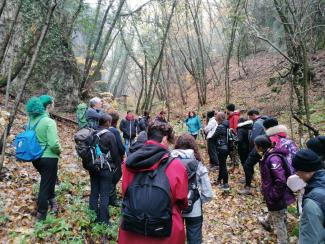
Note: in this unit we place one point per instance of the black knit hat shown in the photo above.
(317, 144)
(306, 160)
(270, 122)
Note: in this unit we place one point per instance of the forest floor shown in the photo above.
(228, 218)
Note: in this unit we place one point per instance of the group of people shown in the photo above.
(165, 182)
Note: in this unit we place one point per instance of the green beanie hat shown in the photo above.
(46, 100)
(34, 107)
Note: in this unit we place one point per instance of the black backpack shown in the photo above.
(88, 149)
(193, 195)
(147, 203)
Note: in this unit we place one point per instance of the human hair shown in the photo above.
(115, 118)
(34, 107)
(241, 120)
(189, 114)
(221, 116)
(252, 112)
(231, 107)
(210, 114)
(157, 131)
(186, 141)
(94, 101)
(104, 119)
(263, 142)
(146, 114)
(129, 111)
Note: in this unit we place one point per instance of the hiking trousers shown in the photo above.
(194, 229)
(223, 172)
(212, 151)
(252, 160)
(48, 169)
(100, 188)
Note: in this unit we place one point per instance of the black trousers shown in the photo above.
(194, 229)
(252, 160)
(243, 152)
(100, 188)
(115, 179)
(48, 169)
(223, 172)
(212, 151)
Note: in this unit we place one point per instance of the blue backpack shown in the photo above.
(27, 146)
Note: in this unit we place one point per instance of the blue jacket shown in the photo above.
(120, 146)
(193, 124)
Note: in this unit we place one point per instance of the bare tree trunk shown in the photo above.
(2, 6)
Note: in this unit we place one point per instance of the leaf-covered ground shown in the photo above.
(228, 218)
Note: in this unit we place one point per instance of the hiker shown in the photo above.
(161, 118)
(309, 168)
(274, 173)
(94, 112)
(143, 121)
(220, 136)
(200, 190)
(317, 144)
(212, 143)
(128, 126)
(243, 129)
(47, 164)
(233, 118)
(101, 176)
(193, 123)
(140, 141)
(253, 156)
(121, 150)
(152, 165)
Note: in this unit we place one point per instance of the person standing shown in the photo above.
(309, 168)
(143, 122)
(212, 143)
(94, 112)
(193, 123)
(222, 150)
(47, 164)
(128, 126)
(243, 129)
(233, 118)
(161, 118)
(150, 161)
(274, 174)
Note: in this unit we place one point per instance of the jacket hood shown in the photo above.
(183, 153)
(277, 150)
(318, 180)
(147, 158)
(246, 124)
(225, 123)
(277, 130)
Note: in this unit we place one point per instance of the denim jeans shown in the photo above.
(127, 143)
(48, 169)
(100, 188)
(194, 229)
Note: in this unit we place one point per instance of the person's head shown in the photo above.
(105, 120)
(115, 118)
(146, 114)
(270, 122)
(220, 117)
(191, 114)
(186, 141)
(162, 133)
(306, 162)
(210, 114)
(129, 113)
(241, 120)
(262, 144)
(34, 107)
(253, 114)
(317, 144)
(230, 107)
(162, 114)
(47, 101)
(95, 103)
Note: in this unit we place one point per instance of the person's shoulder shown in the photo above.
(311, 207)
(177, 164)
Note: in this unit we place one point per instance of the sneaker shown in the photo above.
(246, 191)
(54, 208)
(225, 187)
(40, 216)
(266, 225)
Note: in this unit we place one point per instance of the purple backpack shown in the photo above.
(291, 146)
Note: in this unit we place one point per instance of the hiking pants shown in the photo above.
(234, 156)
(194, 229)
(127, 143)
(100, 188)
(278, 219)
(115, 179)
(212, 151)
(223, 172)
(252, 160)
(48, 169)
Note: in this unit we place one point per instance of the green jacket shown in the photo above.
(47, 135)
(311, 224)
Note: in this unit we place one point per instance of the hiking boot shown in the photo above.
(54, 208)
(246, 191)
(266, 225)
(40, 216)
(225, 187)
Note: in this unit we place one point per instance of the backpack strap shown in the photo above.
(284, 163)
(36, 124)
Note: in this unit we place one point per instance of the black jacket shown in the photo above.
(243, 136)
(143, 123)
(220, 135)
(129, 128)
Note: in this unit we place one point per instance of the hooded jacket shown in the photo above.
(312, 220)
(203, 182)
(211, 127)
(93, 116)
(193, 124)
(148, 158)
(274, 174)
(128, 126)
(233, 120)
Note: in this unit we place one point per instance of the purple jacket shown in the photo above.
(274, 174)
